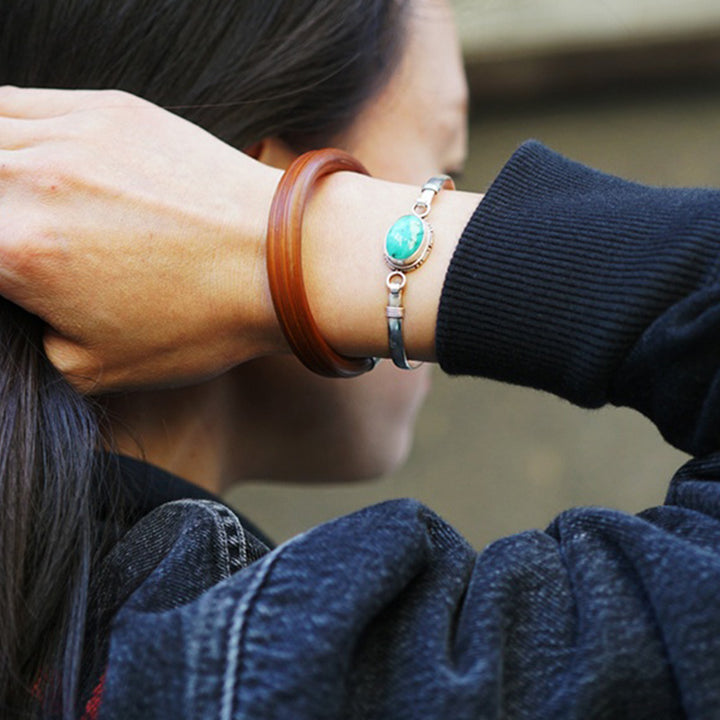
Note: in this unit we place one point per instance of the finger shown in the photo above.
(75, 363)
(29, 103)
(19, 134)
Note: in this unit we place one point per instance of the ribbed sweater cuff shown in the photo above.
(561, 269)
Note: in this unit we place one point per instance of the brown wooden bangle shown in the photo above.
(284, 263)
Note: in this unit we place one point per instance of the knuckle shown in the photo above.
(49, 173)
(32, 239)
(19, 169)
(53, 180)
(36, 172)
(31, 250)
(10, 169)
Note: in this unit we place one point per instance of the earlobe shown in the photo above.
(274, 152)
(254, 150)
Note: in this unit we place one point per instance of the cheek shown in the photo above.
(395, 152)
(410, 388)
(411, 168)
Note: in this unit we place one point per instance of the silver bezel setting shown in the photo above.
(418, 257)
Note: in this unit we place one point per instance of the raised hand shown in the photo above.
(137, 236)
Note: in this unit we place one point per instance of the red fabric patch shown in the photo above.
(92, 707)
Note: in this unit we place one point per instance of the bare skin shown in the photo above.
(142, 292)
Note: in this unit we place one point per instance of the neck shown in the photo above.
(182, 430)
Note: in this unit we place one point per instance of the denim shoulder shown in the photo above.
(390, 613)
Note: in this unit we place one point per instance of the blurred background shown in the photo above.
(631, 87)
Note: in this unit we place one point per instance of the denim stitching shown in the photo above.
(234, 556)
(236, 637)
(234, 538)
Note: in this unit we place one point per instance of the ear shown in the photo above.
(274, 152)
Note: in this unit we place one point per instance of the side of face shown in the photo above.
(417, 125)
(414, 128)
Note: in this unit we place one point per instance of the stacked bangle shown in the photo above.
(284, 264)
(407, 245)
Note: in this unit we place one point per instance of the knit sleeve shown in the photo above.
(593, 288)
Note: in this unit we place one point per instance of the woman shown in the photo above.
(279, 78)
(564, 278)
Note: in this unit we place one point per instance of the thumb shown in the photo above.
(75, 363)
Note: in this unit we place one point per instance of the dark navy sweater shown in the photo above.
(565, 279)
(594, 288)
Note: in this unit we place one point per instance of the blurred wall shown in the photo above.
(529, 48)
(526, 26)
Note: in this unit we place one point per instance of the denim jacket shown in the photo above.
(389, 613)
(565, 279)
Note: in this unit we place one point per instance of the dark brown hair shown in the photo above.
(243, 69)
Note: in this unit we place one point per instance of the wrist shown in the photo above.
(248, 303)
(343, 265)
(345, 226)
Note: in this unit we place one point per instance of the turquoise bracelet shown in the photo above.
(407, 246)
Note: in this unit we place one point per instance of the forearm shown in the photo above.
(345, 273)
(595, 289)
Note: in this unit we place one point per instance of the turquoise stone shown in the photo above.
(404, 238)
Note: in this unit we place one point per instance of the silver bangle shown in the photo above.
(408, 243)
